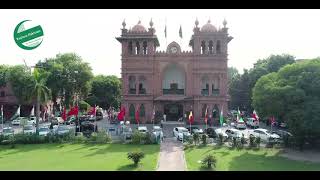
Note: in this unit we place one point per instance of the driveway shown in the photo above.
(171, 156)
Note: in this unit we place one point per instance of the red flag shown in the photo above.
(121, 114)
(73, 111)
(137, 116)
(190, 117)
(206, 116)
(64, 114)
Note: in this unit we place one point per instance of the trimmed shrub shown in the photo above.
(209, 161)
(234, 142)
(136, 156)
(102, 138)
(220, 139)
(204, 139)
(196, 138)
(252, 141)
(137, 137)
(148, 139)
(258, 141)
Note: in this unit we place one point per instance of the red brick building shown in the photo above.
(174, 81)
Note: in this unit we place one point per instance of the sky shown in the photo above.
(91, 33)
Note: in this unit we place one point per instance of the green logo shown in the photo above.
(27, 36)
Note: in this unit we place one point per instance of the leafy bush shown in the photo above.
(204, 139)
(29, 139)
(243, 140)
(102, 137)
(79, 139)
(196, 138)
(209, 161)
(148, 139)
(234, 142)
(136, 156)
(220, 139)
(258, 141)
(252, 141)
(137, 137)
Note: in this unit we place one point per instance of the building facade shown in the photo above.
(174, 82)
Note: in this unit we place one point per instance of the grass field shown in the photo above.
(246, 160)
(108, 157)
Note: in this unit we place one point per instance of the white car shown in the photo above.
(7, 131)
(62, 129)
(253, 123)
(180, 132)
(18, 120)
(265, 135)
(29, 129)
(235, 133)
(157, 131)
(240, 125)
(222, 132)
(44, 131)
(142, 129)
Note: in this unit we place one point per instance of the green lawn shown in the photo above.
(76, 157)
(246, 160)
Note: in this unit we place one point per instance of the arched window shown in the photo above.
(142, 85)
(132, 84)
(145, 48)
(131, 111)
(205, 86)
(173, 80)
(137, 48)
(218, 49)
(130, 48)
(204, 107)
(210, 47)
(142, 111)
(203, 47)
(216, 86)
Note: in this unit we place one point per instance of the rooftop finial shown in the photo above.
(139, 22)
(124, 23)
(209, 21)
(197, 22)
(224, 23)
(151, 23)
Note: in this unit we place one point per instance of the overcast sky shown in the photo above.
(91, 33)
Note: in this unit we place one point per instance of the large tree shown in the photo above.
(68, 74)
(240, 88)
(105, 92)
(292, 95)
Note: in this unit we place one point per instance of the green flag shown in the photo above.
(221, 117)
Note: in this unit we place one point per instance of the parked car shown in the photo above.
(29, 129)
(195, 129)
(240, 125)
(142, 129)
(235, 133)
(32, 120)
(282, 133)
(180, 132)
(18, 120)
(265, 135)
(87, 128)
(7, 131)
(44, 131)
(92, 118)
(222, 132)
(252, 122)
(157, 131)
(99, 115)
(62, 129)
(210, 132)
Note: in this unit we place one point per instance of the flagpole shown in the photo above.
(2, 116)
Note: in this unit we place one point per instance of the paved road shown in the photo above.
(171, 156)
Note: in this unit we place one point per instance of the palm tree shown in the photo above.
(41, 92)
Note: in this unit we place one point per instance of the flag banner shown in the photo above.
(137, 116)
(255, 115)
(221, 117)
(191, 117)
(64, 114)
(32, 111)
(121, 114)
(206, 116)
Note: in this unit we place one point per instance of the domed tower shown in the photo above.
(138, 41)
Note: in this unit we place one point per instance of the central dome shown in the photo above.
(208, 27)
(139, 28)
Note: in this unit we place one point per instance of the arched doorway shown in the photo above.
(173, 111)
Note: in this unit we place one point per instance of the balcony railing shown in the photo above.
(132, 91)
(142, 91)
(205, 92)
(173, 91)
(215, 92)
